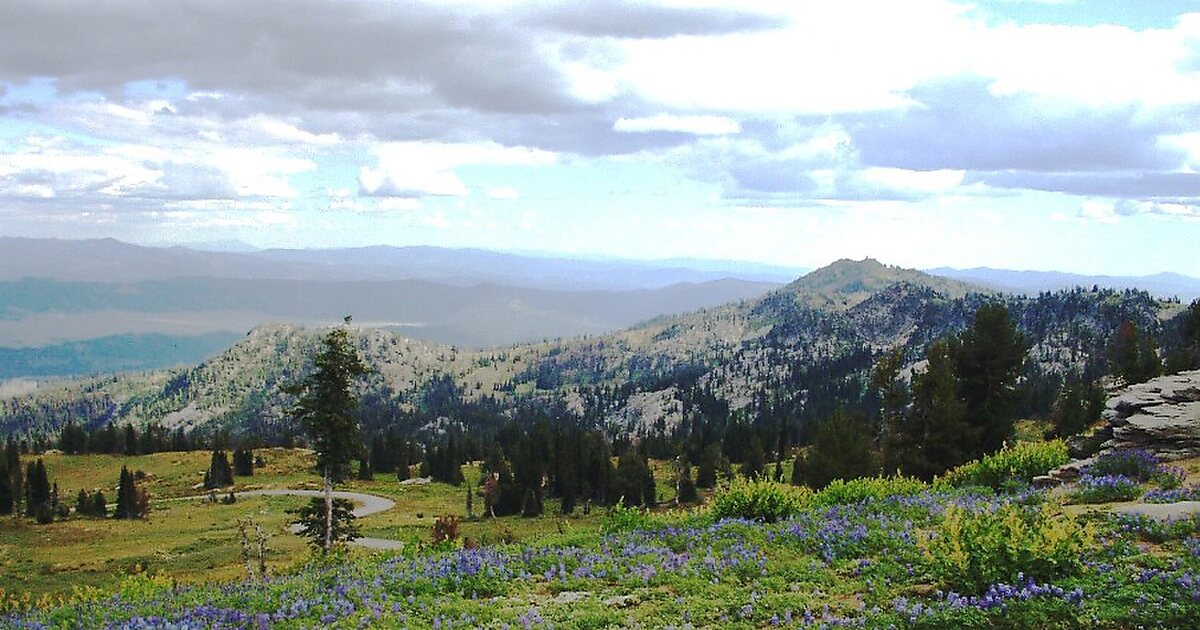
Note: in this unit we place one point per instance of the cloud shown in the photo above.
(1114, 185)
(362, 55)
(504, 193)
(1190, 209)
(417, 169)
(961, 124)
(695, 125)
(638, 20)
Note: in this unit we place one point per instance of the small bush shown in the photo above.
(1129, 462)
(1014, 465)
(1169, 477)
(1105, 489)
(866, 489)
(758, 499)
(620, 518)
(445, 529)
(971, 550)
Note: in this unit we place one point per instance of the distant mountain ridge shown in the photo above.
(799, 351)
(110, 260)
(1164, 284)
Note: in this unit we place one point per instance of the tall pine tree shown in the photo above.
(988, 358)
(934, 435)
(325, 408)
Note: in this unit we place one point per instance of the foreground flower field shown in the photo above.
(874, 554)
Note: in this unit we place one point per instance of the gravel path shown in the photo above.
(1161, 511)
(365, 505)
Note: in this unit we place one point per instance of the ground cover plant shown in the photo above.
(860, 555)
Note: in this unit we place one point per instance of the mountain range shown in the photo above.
(96, 306)
(800, 349)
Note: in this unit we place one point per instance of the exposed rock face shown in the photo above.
(1161, 416)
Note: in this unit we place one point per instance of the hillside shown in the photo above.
(807, 347)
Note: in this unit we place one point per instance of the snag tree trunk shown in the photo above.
(328, 512)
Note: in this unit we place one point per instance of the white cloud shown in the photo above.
(1126, 207)
(695, 125)
(916, 181)
(504, 193)
(287, 132)
(417, 169)
(1099, 212)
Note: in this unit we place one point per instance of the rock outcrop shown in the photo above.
(1161, 416)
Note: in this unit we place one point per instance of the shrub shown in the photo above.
(971, 550)
(1019, 463)
(1130, 462)
(445, 529)
(841, 492)
(1105, 489)
(758, 499)
(1169, 477)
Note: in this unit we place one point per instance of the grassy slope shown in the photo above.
(196, 541)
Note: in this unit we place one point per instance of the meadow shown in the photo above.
(972, 550)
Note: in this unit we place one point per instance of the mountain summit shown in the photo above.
(845, 283)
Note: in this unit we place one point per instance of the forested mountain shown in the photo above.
(773, 362)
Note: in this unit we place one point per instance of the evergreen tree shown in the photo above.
(319, 525)
(364, 470)
(324, 407)
(841, 449)
(99, 505)
(934, 436)
(988, 358)
(712, 461)
(531, 505)
(685, 486)
(6, 493)
(243, 462)
(220, 473)
(38, 494)
(633, 482)
(885, 380)
(1188, 358)
(755, 463)
(125, 495)
(12, 458)
(1132, 355)
(130, 442)
(83, 503)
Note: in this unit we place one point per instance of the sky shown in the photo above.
(1015, 134)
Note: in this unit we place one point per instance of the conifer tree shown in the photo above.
(220, 473)
(324, 407)
(988, 358)
(685, 486)
(712, 461)
(38, 494)
(99, 505)
(1132, 355)
(125, 495)
(934, 436)
(841, 449)
(756, 460)
(6, 493)
(12, 458)
(83, 503)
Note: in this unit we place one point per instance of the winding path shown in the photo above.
(365, 505)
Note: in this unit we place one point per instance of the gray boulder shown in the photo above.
(1161, 416)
